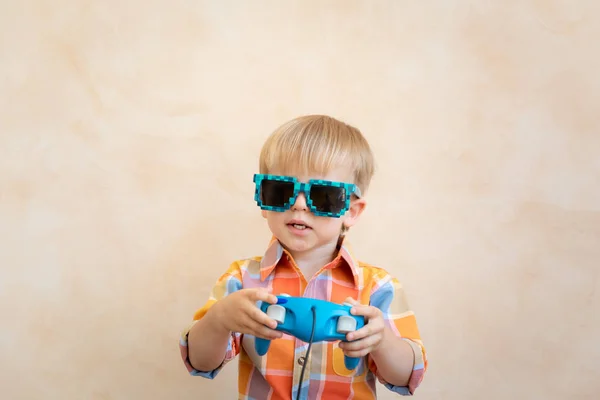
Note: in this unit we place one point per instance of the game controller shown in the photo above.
(304, 317)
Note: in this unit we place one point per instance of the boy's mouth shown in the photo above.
(301, 225)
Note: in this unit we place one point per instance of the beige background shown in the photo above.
(130, 131)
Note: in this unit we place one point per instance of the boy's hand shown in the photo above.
(369, 337)
(238, 312)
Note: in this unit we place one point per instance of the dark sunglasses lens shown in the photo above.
(328, 198)
(276, 193)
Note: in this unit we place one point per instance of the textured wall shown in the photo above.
(130, 130)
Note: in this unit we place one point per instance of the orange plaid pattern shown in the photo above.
(276, 375)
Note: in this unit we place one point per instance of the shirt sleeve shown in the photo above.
(389, 296)
(229, 282)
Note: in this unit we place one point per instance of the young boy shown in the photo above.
(309, 256)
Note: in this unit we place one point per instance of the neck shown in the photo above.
(310, 262)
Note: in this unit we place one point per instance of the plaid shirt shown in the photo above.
(276, 374)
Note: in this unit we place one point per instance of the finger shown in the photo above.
(366, 331)
(358, 353)
(251, 327)
(365, 311)
(351, 301)
(262, 294)
(358, 345)
(355, 351)
(373, 327)
(363, 332)
(262, 331)
(359, 309)
(257, 315)
(360, 348)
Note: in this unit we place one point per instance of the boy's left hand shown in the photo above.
(369, 337)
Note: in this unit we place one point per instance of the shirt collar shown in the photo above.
(275, 251)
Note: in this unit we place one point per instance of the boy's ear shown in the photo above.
(263, 213)
(354, 212)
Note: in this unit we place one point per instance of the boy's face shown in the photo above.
(300, 230)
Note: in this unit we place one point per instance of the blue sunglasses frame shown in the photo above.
(349, 188)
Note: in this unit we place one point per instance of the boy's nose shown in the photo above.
(300, 203)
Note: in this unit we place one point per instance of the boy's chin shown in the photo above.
(302, 244)
(296, 244)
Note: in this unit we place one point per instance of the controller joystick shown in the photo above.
(346, 324)
(276, 312)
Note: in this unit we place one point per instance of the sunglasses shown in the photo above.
(324, 198)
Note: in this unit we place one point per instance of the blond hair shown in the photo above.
(316, 144)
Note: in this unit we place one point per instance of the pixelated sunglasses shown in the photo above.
(324, 198)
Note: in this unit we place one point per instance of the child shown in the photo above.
(309, 256)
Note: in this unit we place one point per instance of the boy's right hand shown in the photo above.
(238, 312)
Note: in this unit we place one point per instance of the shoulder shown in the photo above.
(238, 268)
(246, 264)
(375, 277)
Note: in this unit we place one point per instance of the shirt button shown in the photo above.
(301, 360)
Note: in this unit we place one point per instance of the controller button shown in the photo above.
(277, 313)
(346, 324)
(285, 295)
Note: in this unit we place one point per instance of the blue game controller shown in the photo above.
(294, 316)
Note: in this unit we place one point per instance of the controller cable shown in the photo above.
(310, 342)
